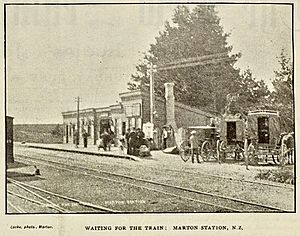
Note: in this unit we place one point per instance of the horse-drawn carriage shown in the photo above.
(261, 128)
(207, 139)
(266, 141)
(232, 136)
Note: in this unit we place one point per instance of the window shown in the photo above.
(132, 122)
(89, 130)
(139, 123)
(123, 128)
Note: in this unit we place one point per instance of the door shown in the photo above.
(123, 128)
(67, 134)
(104, 125)
(231, 132)
(263, 130)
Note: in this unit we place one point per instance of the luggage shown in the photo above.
(144, 151)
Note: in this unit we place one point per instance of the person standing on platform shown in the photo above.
(100, 143)
(140, 138)
(164, 137)
(85, 138)
(111, 135)
(127, 136)
(75, 138)
(105, 137)
(194, 146)
(133, 141)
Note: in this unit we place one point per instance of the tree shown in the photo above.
(57, 131)
(282, 96)
(192, 33)
(141, 77)
(250, 94)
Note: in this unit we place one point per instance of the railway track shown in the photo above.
(233, 179)
(14, 207)
(59, 203)
(243, 181)
(219, 203)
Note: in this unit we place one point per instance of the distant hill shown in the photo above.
(38, 133)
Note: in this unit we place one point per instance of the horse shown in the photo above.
(288, 144)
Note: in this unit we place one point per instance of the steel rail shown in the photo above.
(18, 209)
(86, 204)
(203, 174)
(170, 186)
(234, 179)
(138, 186)
(58, 208)
(32, 200)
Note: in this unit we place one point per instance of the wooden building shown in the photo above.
(134, 111)
(9, 139)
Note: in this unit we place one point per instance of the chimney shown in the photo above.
(170, 105)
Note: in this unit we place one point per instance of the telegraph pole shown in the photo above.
(78, 122)
(151, 94)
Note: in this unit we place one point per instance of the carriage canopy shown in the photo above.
(204, 132)
(232, 128)
(264, 126)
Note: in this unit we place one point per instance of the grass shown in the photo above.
(37, 133)
(281, 174)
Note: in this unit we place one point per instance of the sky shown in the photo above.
(56, 53)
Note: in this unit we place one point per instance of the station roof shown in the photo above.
(263, 112)
(202, 127)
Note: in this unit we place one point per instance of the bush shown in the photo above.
(281, 175)
(38, 133)
(57, 131)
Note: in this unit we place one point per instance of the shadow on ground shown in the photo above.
(22, 177)
(21, 172)
(16, 165)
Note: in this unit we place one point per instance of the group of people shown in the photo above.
(135, 138)
(105, 140)
(84, 137)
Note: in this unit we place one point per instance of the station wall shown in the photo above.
(134, 111)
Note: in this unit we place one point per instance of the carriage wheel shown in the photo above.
(252, 155)
(283, 156)
(206, 151)
(276, 159)
(222, 151)
(185, 151)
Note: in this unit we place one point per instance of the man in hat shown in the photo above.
(194, 146)
(165, 136)
(140, 137)
(127, 137)
(85, 138)
(75, 138)
(133, 141)
(105, 137)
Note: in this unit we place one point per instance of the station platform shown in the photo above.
(90, 150)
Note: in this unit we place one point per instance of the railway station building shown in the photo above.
(9, 139)
(134, 111)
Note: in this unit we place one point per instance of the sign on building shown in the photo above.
(133, 110)
(148, 130)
